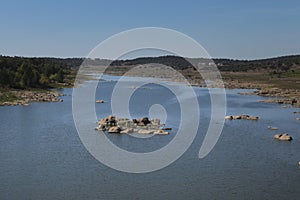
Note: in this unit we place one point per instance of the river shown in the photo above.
(42, 156)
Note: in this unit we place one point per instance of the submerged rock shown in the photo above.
(272, 128)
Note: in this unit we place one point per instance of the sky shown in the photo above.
(225, 28)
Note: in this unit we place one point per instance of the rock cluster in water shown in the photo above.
(112, 124)
(247, 117)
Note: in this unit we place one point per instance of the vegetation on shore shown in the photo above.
(41, 74)
(38, 75)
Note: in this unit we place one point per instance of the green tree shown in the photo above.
(44, 80)
(60, 76)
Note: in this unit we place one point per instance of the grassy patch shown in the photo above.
(6, 96)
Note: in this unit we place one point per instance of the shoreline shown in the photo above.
(286, 96)
(14, 97)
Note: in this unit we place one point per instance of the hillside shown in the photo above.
(22, 72)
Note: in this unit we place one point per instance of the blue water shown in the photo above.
(42, 157)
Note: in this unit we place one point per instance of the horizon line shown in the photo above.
(225, 58)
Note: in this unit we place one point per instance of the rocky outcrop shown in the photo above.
(283, 137)
(229, 117)
(291, 101)
(114, 129)
(25, 97)
(100, 101)
(245, 117)
(283, 96)
(143, 125)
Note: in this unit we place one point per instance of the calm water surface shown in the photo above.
(42, 157)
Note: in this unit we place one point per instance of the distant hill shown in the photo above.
(279, 63)
(42, 72)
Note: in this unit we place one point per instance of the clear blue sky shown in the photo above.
(232, 29)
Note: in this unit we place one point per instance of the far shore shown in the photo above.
(13, 97)
(280, 91)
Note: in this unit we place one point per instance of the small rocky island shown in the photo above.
(246, 117)
(112, 124)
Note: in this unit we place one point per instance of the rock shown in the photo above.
(143, 131)
(298, 119)
(272, 128)
(277, 136)
(166, 129)
(296, 112)
(111, 120)
(114, 129)
(99, 101)
(253, 118)
(126, 131)
(140, 124)
(102, 121)
(229, 117)
(161, 132)
(236, 117)
(299, 163)
(124, 125)
(245, 116)
(283, 137)
(102, 127)
(155, 122)
(142, 121)
(145, 120)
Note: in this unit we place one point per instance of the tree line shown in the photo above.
(283, 63)
(22, 73)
